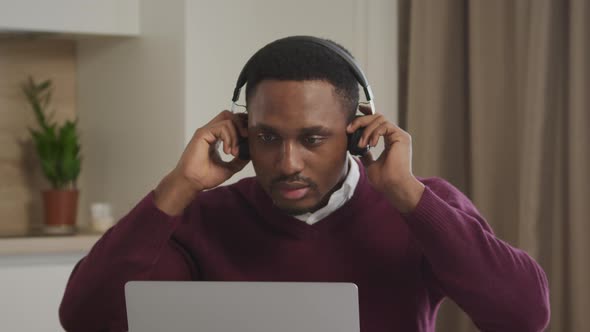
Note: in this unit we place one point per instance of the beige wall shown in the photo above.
(21, 179)
(131, 100)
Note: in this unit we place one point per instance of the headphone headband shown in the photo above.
(352, 64)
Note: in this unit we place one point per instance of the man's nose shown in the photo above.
(291, 161)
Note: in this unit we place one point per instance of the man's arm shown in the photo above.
(500, 287)
(138, 247)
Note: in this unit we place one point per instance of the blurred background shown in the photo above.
(494, 94)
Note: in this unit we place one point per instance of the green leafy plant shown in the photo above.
(58, 147)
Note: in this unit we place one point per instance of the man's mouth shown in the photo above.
(292, 191)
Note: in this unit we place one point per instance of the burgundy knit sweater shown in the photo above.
(403, 265)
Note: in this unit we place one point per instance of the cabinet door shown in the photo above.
(105, 17)
(31, 288)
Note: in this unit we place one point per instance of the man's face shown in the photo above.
(297, 135)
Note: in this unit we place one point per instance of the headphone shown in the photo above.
(354, 138)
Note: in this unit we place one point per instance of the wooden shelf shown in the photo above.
(48, 244)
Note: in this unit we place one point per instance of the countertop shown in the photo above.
(48, 244)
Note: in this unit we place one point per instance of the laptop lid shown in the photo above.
(206, 306)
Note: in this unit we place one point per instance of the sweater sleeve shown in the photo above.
(139, 247)
(500, 287)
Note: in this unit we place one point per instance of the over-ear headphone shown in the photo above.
(354, 138)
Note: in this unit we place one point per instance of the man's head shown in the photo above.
(300, 98)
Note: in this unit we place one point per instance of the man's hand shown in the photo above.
(200, 167)
(391, 173)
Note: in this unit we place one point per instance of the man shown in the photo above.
(312, 213)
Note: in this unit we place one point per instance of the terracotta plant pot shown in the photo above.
(60, 208)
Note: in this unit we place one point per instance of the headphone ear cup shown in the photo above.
(243, 149)
(354, 139)
(353, 143)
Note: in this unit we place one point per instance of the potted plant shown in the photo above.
(58, 149)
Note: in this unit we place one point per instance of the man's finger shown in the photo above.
(225, 114)
(370, 130)
(363, 121)
(384, 129)
(365, 109)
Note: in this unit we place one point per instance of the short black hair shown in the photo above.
(292, 59)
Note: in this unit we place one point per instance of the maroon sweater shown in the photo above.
(404, 265)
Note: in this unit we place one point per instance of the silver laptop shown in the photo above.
(241, 306)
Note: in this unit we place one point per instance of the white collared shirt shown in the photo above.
(338, 198)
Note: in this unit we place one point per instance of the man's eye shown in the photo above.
(313, 140)
(267, 138)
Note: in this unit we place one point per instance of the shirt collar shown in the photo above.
(339, 197)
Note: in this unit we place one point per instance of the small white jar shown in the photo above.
(102, 218)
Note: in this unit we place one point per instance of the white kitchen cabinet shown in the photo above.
(33, 275)
(31, 288)
(86, 17)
